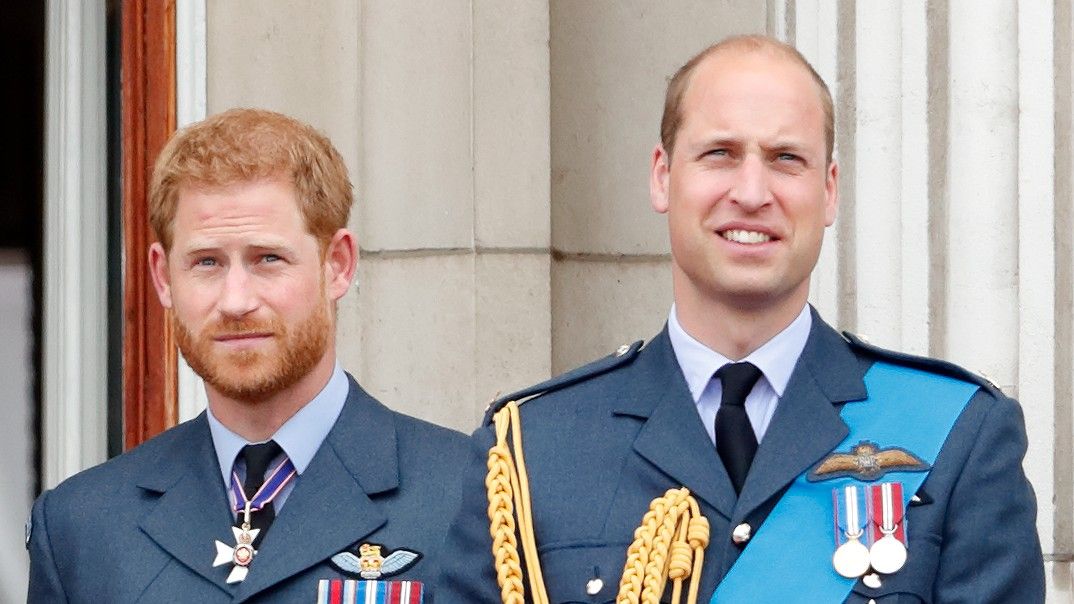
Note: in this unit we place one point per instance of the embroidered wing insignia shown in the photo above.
(370, 563)
(398, 561)
(347, 562)
(866, 461)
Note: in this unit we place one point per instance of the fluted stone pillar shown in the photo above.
(954, 241)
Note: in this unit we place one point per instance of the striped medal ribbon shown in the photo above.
(851, 558)
(888, 551)
(280, 477)
(354, 591)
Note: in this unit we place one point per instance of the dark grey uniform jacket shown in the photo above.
(604, 440)
(142, 527)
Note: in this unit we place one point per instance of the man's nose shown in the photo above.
(750, 188)
(238, 297)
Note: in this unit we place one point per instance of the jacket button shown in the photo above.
(594, 586)
(742, 533)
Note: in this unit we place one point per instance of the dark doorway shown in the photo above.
(22, 43)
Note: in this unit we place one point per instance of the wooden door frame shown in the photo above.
(148, 118)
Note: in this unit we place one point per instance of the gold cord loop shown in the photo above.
(669, 544)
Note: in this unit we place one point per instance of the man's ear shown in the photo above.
(341, 262)
(158, 269)
(658, 180)
(831, 192)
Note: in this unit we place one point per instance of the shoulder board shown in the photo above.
(623, 356)
(918, 362)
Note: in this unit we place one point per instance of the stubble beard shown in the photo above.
(251, 376)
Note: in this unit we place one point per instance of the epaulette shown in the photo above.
(918, 362)
(624, 355)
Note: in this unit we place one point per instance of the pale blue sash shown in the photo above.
(790, 557)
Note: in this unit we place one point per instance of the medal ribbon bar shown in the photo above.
(886, 511)
(351, 591)
(850, 516)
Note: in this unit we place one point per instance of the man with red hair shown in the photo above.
(295, 484)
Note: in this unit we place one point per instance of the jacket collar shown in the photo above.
(329, 509)
(827, 374)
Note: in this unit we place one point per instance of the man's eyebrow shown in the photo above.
(203, 247)
(268, 245)
(785, 145)
(719, 140)
(195, 248)
(788, 146)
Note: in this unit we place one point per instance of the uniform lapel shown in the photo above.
(673, 438)
(330, 509)
(192, 510)
(806, 425)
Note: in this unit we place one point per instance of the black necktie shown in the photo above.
(257, 459)
(735, 441)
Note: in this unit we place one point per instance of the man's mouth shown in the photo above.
(744, 236)
(242, 337)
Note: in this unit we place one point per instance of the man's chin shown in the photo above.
(246, 391)
(247, 382)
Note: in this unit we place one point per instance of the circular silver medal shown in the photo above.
(888, 554)
(851, 559)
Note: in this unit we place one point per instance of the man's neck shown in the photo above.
(735, 330)
(257, 421)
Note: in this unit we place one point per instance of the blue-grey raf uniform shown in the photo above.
(142, 527)
(602, 441)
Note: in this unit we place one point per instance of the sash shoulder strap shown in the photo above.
(931, 365)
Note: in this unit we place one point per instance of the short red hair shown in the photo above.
(244, 145)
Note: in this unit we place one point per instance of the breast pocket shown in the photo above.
(587, 574)
(910, 585)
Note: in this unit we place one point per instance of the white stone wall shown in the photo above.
(499, 152)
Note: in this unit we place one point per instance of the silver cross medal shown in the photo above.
(243, 553)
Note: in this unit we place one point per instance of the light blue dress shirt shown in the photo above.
(776, 360)
(299, 437)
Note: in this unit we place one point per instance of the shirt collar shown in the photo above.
(776, 358)
(299, 437)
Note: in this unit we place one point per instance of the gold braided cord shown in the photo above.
(502, 518)
(669, 544)
(521, 483)
(507, 476)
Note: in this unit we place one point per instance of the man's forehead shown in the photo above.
(265, 213)
(778, 66)
(252, 198)
(778, 88)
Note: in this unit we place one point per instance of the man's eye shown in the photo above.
(270, 258)
(205, 262)
(788, 157)
(718, 152)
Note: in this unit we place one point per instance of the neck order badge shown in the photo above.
(912, 408)
(243, 552)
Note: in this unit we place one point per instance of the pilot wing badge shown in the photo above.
(868, 462)
(369, 566)
(371, 563)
